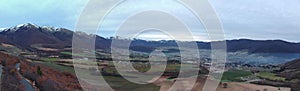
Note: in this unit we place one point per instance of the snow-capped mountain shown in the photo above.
(27, 35)
(16, 28)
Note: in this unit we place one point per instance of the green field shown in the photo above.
(122, 84)
(57, 67)
(270, 76)
(79, 55)
(235, 75)
(70, 53)
(50, 59)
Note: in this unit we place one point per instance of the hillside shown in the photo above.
(21, 75)
(291, 70)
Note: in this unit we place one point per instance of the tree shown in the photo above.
(3, 62)
(39, 71)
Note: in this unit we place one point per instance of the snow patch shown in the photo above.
(51, 29)
(31, 26)
(27, 25)
(2, 29)
(16, 28)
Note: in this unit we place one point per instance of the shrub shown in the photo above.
(12, 71)
(39, 71)
(225, 85)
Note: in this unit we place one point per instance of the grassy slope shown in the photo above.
(57, 67)
(270, 76)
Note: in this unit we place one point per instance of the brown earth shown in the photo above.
(232, 86)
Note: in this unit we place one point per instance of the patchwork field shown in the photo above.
(270, 76)
(235, 75)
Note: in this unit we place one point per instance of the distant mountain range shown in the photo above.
(27, 36)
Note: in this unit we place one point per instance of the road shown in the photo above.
(27, 84)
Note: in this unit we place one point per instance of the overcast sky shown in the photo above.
(254, 19)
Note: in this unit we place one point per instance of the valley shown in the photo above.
(46, 62)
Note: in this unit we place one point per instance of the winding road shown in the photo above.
(27, 84)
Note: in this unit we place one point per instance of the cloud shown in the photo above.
(255, 19)
(58, 13)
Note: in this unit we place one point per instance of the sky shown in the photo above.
(252, 19)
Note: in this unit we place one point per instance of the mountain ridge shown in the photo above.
(27, 35)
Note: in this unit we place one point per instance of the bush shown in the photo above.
(225, 85)
(39, 71)
(12, 71)
(3, 62)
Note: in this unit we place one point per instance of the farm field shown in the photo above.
(270, 76)
(235, 75)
